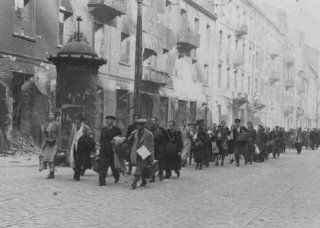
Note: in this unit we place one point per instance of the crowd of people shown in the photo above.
(151, 150)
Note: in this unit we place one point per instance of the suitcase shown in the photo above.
(152, 169)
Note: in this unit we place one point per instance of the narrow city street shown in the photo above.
(282, 192)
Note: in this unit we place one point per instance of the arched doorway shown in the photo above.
(146, 106)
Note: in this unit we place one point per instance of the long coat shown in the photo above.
(146, 139)
(201, 146)
(86, 131)
(171, 159)
(107, 134)
(51, 134)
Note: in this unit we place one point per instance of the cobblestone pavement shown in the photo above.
(282, 192)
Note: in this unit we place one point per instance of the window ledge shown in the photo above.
(24, 37)
(124, 64)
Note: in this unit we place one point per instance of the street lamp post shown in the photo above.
(138, 61)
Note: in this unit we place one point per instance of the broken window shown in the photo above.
(125, 48)
(65, 26)
(24, 18)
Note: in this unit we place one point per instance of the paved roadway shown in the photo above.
(282, 192)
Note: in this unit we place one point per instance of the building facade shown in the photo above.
(202, 59)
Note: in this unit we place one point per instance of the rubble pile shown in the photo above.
(21, 146)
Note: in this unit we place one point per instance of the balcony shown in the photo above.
(274, 53)
(238, 61)
(240, 99)
(155, 76)
(241, 30)
(290, 61)
(107, 9)
(301, 89)
(287, 109)
(258, 104)
(274, 77)
(289, 83)
(187, 39)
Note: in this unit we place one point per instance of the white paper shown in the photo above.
(143, 152)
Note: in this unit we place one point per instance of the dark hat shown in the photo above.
(141, 121)
(237, 121)
(111, 117)
(80, 116)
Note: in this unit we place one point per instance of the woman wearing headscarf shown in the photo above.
(50, 144)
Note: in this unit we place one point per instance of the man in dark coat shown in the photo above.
(221, 137)
(106, 151)
(160, 139)
(240, 142)
(201, 144)
(262, 139)
(313, 138)
(130, 129)
(171, 159)
(251, 142)
(276, 137)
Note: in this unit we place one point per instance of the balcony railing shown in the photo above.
(240, 99)
(287, 109)
(241, 30)
(290, 61)
(159, 77)
(187, 39)
(274, 77)
(289, 83)
(107, 9)
(238, 60)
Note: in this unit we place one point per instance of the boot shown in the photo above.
(50, 175)
(102, 180)
(178, 173)
(144, 182)
(134, 183)
(153, 179)
(222, 162)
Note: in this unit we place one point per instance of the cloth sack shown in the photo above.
(256, 150)
(151, 169)
(215, 149)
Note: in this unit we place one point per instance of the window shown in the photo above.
(98, 38)
(228, 78)
(24, 18)
(125, 48)
(219, 75)
(220, 39)
(206, 70)
(65, 26)
(193, 111)
(196, 25)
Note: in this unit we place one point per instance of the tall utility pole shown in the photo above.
(138, 61)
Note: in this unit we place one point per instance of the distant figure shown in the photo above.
(50, 144)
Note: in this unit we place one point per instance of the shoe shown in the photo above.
(134, 185)
(50, 175)
(178, 174)
(102, 183)
(82, 172)
(222, 163)
(143, 183)
(77, 178)
(116, 181)
(153, 179)
(166, 177)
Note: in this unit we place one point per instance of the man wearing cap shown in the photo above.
(240, 142)
(139, 138)
(172, 157)
(251, 142)
(201, 144)
(130, 129)
(79, 128)
(106, 151)
(262, 139)
(159, 134)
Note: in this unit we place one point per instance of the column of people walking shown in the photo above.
(148, 150)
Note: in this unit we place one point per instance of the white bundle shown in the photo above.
(118, 140)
